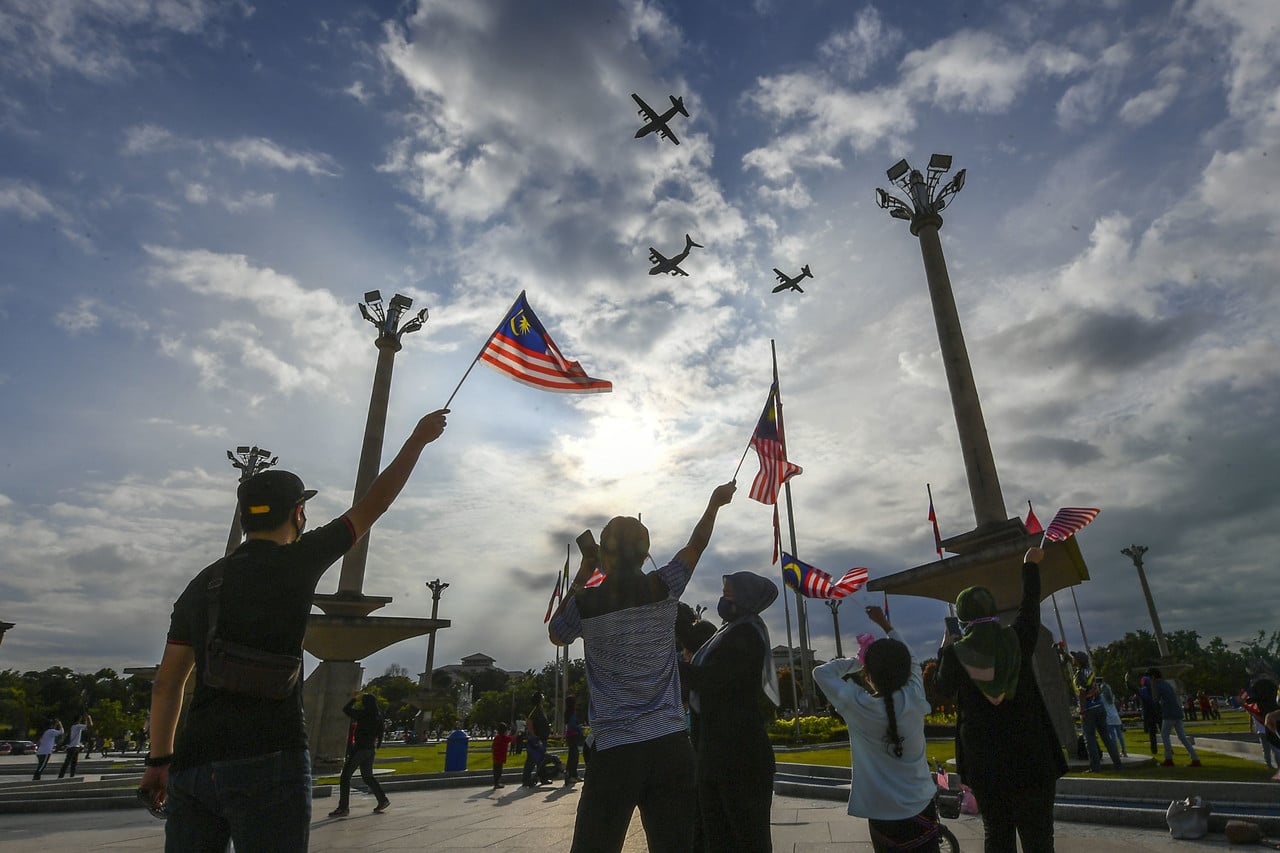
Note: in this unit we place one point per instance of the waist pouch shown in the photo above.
(239, 668)
(242, 669)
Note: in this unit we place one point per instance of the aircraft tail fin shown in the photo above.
(678, 103)
(689, 244)
(805, 271)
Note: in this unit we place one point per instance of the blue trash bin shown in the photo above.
(455, 751)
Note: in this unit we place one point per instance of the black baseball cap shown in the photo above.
(266, 498)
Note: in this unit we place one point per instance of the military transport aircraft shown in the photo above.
(653, 121)
(791, 282)
(671, 265)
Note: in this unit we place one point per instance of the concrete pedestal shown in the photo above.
(340, 641)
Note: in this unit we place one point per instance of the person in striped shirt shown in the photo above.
(642, 757)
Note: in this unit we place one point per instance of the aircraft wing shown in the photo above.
(666, 133)
(645, 109)
(780, 287)
(655, 257)
(677, 271)
(781, 277)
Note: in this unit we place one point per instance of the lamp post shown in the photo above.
(387, 322)
(437, 587)
(925, 203)
(250, 461)
(834, 604)
(1135, 552)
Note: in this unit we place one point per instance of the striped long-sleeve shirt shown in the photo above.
(632, 670)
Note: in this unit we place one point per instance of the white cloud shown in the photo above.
(79, 318)
(855, 51)
(976, 71)
(264, 152)
(1149, 105)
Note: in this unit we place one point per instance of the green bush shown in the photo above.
(812, 730)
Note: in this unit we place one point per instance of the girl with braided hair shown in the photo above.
(885, 706)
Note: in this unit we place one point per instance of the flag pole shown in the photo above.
(806, 657)
(791, 659)
(747, 449)
(1083, 635)
(481, 352)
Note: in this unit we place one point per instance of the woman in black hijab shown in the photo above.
(727, 678)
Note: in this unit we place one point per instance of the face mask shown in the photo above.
(726, 609)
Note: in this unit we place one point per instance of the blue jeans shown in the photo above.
(1168, 727)
(1094, 721)
(263, 804)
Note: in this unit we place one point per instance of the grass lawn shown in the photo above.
(1219, 767)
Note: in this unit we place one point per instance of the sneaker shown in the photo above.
(1276, 778)
(1168, 762)
(340, 811)
(1195, 763)
(381, 807)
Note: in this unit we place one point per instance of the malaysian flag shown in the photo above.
(597, 578)
(815, 583)
(772, 450)
(1068, 521)
(522, 349)
(1033, 524)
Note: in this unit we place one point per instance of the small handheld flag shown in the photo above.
(815, 583)
(772, 450)
(1068, 521)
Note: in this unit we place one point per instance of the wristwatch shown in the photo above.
(162, 761)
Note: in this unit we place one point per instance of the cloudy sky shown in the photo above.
(195, 194)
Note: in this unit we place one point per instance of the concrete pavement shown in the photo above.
(519, 820)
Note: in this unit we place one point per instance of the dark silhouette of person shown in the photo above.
(727, 678)
(365, 741)
(240, 768)
(1006, 747)
(641, 755)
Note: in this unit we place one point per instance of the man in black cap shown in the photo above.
(240, 768)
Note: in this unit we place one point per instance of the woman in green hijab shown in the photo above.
(1006, 747)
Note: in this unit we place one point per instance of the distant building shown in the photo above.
(471, 665)
(782, 657)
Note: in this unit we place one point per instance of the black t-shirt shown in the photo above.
(266, 597)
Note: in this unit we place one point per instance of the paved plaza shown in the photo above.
(521, 820)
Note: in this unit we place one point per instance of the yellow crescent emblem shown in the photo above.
(791, 574)
(519, 324)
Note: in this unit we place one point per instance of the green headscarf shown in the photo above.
(991, 654)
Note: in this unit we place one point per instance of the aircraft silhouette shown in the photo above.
(671, 265)
(790, 282)
(653, 121)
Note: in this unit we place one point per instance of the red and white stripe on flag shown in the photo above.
(818, 584)
(597, 578)
(1068, 521)
(774, 470)
(852, 581)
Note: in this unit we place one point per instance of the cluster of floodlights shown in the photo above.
(388, 321)
(919, 189)
(251, 460)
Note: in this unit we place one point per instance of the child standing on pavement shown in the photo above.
(885, 706)
(501, 743)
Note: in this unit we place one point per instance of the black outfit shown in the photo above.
(266, 598)
(536, 758)
(734, 763)
(360, 753)
(1008, 753)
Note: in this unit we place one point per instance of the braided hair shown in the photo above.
(888, 663)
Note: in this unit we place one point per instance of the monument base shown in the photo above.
(340, 641)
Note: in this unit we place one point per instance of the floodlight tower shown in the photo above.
(925, 203)
(834, 604)
(250, 461)
(1135, 552)
(437, 587)
(387, 322)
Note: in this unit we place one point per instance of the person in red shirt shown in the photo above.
(501, 743)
